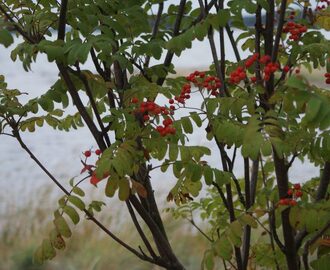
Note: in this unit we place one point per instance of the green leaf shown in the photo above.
(264, 4)
(223, 247)
(208, 260)
(62, 227)
(321, 263)
(211, 105)
(57, 240)
(76, 201)
(208, 175)
(38, 257)
(312, 109)
(221, 178)
(72, 213)
(220, 19)
(6, 38)
(266, 148)
(186, 124)
(48, 250)
(196, 172)
(194, 116)
(236, 228)
(124, 189)
(112, 186)
(248, 220)
(311, 220)
(295, 82)
(173, 151)
(78, 191)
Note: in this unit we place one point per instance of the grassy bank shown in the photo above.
(22, 230)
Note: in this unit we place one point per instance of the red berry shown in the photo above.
(290, 192)
(286, 69)
(171, 101)
(282, 202)
(87, 153)
(327, 81)
(299, 193)
(146, 117)
(253, 79)
(297, 71)
(98, 152)
(297, 186)
(134, 100)
(293, 202)
(157, 110)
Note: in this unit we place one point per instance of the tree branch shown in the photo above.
(88, 214)
(140, 231)
(162, 243)
(155, 29)
(176, 31)
(83, 78)
(279, 30)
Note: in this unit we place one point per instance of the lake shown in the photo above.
(21, 179)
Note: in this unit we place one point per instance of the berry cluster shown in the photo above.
(295, 29)
(150, 109)
(167, 128)
(90, 168)
(293, 194)
(237, 75)
(201, 80)
(327, 77)
(184, 95)
(250, 61)
(269, 69)
(88, 153)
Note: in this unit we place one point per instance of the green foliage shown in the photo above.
(270, 122)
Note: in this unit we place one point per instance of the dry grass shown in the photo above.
(22, 230)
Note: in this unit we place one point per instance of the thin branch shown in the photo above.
(97, 64)
(155, 29)
(140, 231)
(254, 179)
(192, 222)
(223, 91)
(279, 30)
(292, 160)
(84, 80)
(176, 31)
(17, 28)
(81, 108)
(222, 195)
(71, 87)
(247, 229)
(62, 20)
(324, 182)
(162, 243)
(272, 225)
